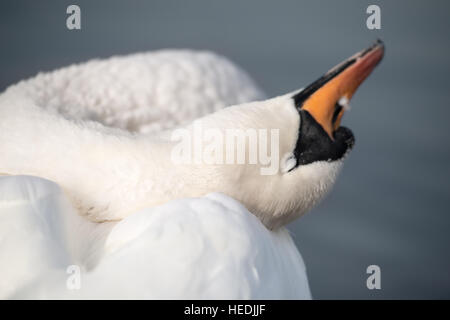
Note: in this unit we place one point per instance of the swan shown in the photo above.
(90, 175)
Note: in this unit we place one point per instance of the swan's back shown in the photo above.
(202, 248)
(145, 92)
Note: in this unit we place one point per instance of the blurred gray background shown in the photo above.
(390, 205)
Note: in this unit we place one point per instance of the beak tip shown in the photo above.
(379, 45)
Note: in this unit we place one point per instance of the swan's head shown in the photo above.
(279, 157)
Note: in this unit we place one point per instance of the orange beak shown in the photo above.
(321, 98)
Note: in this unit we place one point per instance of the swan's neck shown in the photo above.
(106, 173)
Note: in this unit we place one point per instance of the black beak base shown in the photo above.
(314, 144)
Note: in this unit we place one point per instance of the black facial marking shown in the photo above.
(314, 144)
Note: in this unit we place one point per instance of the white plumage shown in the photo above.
(200, 248)
(209, 247)
(145, 92)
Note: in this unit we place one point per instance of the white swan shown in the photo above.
(209, 247)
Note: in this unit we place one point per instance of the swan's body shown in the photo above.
(117, 166)
(204, 248)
